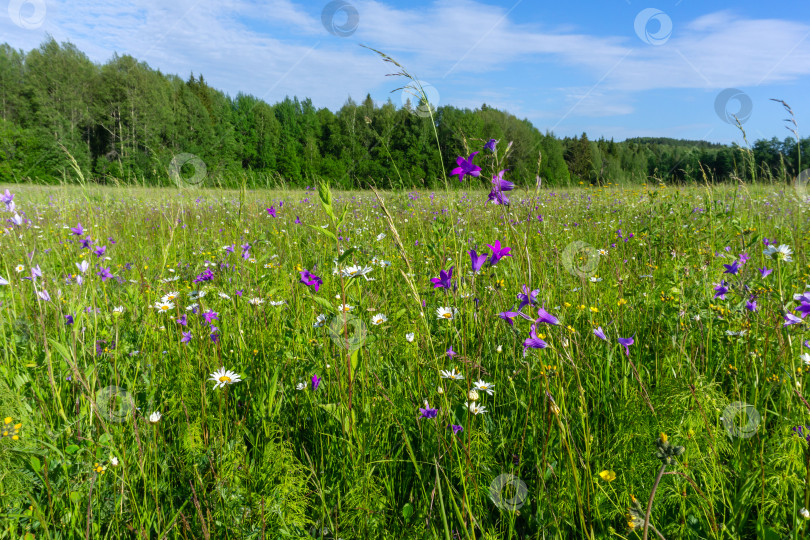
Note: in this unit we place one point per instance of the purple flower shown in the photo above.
(246, 251)
(751, 305)
(533, 342)
(207, 275)
(68, 320)
(544, 316)
(732, 268)
(297, 220)
(311, 280)
(744, 258)
(456, 429)
(315, 382)
(43, 294)
(182, 320)
(465, 167)
(600, 334)
(450, 352)
(803, 432)
(626, 342)
(78, 230)
(104, 273)
(498, 252)
(477, 260)
(764, 272)
(214, 335)
(100, 251)
(86, 242)
(271, 211)
(427, 412)
(721, 290)
(527, 297)
(186, 337)
(791, 319)
(210, 315)
(7, 197)
(230, 248)
(490, 145)
(444, 279)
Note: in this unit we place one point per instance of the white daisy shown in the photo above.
(301, 386)
(196, 295)
(192, 307)
(783, 252)
(168, 297)
(155, 417)
(475, 408)
(485, 386)
(277, 303)
(118, 309)
(223, 377)
(378, 319)
(163, 307)
(409, 337)
(223, 295)
(319, 321)
(806, 359)
(19, 268)
(167, 280)
(380, 236)
(256, 301)
(356, 271)
(345, 308)
(452, 375)
(446, 313)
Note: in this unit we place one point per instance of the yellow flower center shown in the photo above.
(224, 378)
(447, 315)
(164, 308)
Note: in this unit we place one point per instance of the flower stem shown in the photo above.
(649, 504)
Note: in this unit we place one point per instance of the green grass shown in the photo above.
(352, 459)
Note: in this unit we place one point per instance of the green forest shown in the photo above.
(64, 118)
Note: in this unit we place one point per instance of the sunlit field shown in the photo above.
(199, 363)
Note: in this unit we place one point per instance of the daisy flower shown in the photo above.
(783, 252)
(195, 295)
(409, 337)
(446, 313)
(164, 306)
(19, 268)
(277, 303)
(256, 301)
(378, 319)
(452, 375)
(223, 295)
(118, 309)
(155, 417)
(168, 297)
(475, 408)
(319, 321)
(301, 386)
(485, 386)
(345, 308)
(223, 377)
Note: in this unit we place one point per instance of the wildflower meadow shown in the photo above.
(583, 363)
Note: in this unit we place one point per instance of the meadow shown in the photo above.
(593, 362)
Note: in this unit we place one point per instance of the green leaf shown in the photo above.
(72, 449)
(343, 215)
(75, 496)
(36, 464)
(327, 232)
(324, 303)
(346, 255)
(325, 195)
(407, 511)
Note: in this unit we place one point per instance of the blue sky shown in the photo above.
(612, 68)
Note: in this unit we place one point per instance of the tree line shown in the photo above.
(64, 117)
